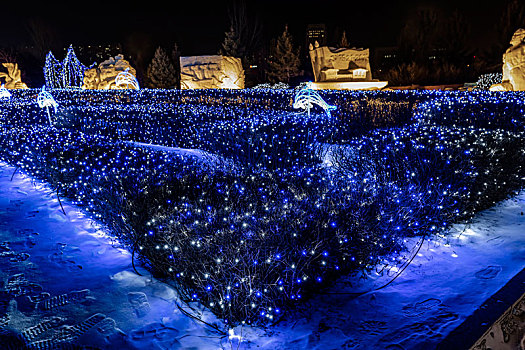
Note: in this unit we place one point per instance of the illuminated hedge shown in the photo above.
(249, 238)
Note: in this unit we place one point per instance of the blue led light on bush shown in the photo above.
(234, 202)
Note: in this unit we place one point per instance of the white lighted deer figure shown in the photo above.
(45, 99)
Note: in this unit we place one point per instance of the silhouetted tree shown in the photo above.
(243, 39)
(231, 44)
(139, 46)
(513, 18)
(161, 73)
(419, 35)
(43, 37)
(175, 58)
(283, 64)
(455, 39)
(244, 35)
(343, 41)
(7, 55)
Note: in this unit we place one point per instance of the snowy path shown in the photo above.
(107, 305)
(70, 256)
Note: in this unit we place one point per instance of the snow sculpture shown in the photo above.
(4, 93)
(513, 65)
(211, 72)
(104, 76)
(340, 64)
(12, 77)
(45, 100)
(306, 98)
(125, 79)
(342, 68)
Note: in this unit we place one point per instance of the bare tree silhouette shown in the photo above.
(43, 37)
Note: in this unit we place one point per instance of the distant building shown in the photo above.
(316, 32)
(384, 58)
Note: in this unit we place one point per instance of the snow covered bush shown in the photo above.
(283, 204)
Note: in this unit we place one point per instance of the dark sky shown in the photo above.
(199, 26)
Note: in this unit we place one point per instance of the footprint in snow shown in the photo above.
(157, 331)
(31, 214)
(62, 260)
(488, 272)
(16, 202)
(18, 285)
(26, 231)
(19, 257)
(108, 327)
(419, 308)
(139, 303)
(372, 327)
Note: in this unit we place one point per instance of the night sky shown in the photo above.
(198, 27)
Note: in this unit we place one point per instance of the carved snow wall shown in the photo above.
(211, 72)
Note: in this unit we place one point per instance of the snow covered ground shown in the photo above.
(61, 281)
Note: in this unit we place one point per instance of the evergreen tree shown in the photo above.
(343, 42)
(231, 44)
(160, 72)
(283, 64)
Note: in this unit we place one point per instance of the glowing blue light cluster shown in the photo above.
(66, 74)
(255, 228)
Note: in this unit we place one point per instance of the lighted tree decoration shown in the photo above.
(72, 70)
(284, 62)
(66, 74)
(161, 73)
(52, 71)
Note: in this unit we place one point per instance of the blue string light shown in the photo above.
(66, 74)
(255, 221)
